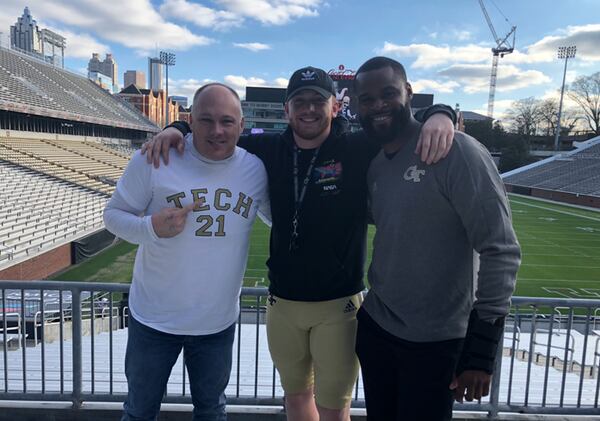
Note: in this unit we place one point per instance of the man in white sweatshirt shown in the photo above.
(192, 220)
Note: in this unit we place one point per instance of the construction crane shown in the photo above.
(503, 46)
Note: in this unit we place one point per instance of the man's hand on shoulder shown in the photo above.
(169, 222)
(471, 384)
(160, 145)
(436, 138)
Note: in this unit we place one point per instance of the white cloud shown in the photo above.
(427, 85)
(134, 23)
(462, 35)
(426, 56)
(235, 12)
(200, 15)
(476, 77)
(186, 87)
(252, 46)
(429, 56)
(281, 82)
(81, 45)
(272, 12)
(242, 82)
(585, 37)
(500, 108)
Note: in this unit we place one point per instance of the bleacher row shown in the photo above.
(30, 82)
(124, 150)
(88, 164)
(576, 173)
(39, 211)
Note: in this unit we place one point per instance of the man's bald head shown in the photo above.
(217, 120)
(217, 89)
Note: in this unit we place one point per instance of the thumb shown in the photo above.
(180, 146)
(453, 383)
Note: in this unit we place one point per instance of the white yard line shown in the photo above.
(558, 280)
(553, 202)
(561, 266)
(555, 210)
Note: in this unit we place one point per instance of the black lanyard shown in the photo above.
(299, 195)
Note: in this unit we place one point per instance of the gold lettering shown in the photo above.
(201, 199)
(218, 194)
(176, 198)
(244, 202)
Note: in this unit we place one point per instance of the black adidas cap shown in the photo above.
(310, 78)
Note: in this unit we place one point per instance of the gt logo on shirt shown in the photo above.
(220, 202)
(414, 174)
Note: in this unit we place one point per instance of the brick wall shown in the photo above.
(40, 267)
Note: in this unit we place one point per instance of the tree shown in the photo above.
(585, 91)
(548, 110)
(524, 116)
(515, 152)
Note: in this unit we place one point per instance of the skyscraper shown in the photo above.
(154, 74)
(107, 67)
(134, 77)
(25, 34)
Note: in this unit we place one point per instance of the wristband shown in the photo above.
(481, 345)
(182, 126)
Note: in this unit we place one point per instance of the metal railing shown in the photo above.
(547, 365)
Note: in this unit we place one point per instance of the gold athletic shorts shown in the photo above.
(312, 345)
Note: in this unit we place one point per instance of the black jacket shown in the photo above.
(329, 260)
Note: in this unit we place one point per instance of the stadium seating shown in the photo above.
(39, 211)
(84, 163)
(53, 190)
(33, 83)
(577, 172)
(121, 149)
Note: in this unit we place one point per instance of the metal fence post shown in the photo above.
(495, 389)
(76, 325)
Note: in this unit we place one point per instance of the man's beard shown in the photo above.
(400, 117)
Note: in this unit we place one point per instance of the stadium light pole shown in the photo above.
(168, 59)
(563, 53)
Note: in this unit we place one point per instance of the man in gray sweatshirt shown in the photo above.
(428, 331)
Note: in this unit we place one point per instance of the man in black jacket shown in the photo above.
(318, 191)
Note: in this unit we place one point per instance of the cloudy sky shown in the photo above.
(445, 45)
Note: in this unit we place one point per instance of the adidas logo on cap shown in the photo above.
(308, 75)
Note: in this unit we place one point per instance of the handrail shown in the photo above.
(81, 307)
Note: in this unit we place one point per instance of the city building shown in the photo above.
(150, 103)
(134, 77)
(107, 67)
(263, 110)
(27, 37)
(185, 114)
(181, 100)
(102, 80)
(155, 78)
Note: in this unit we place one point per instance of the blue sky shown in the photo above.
(445, 45)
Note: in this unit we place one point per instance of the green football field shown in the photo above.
(561, 253)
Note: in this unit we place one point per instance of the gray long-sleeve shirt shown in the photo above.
(429, 221)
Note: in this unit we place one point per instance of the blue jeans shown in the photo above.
(150, 357)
